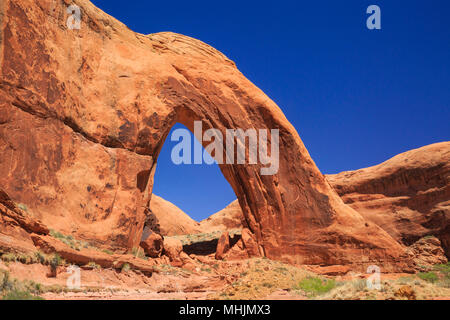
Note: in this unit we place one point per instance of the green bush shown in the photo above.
(316, 286)
(428, 276)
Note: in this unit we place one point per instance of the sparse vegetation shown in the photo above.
(93, 265)
(259, 278)
(22, 207)
(126, 267)
(108, 252)
(139, 253)
(12, 289)
(314, 286)
(203, 237)
(69, 240)
(428, 276)
(26, 258)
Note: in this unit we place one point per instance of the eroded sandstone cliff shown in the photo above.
(408, 195)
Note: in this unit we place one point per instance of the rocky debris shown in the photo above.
(336, 270)
(427, 252)
(223, 245)
(153, 245)
(408, 196)
(48, 244)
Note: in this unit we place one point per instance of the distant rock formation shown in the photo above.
(408, 195)
(171, 219)
(228, 218)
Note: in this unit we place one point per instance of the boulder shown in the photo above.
(223, 245)
(427, 252)
(173, 248)
(153, 245)
(249, 243)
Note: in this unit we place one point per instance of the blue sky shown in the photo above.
(357, 97)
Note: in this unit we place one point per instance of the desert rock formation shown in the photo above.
(228, 218)
(172, 220)
(84, 114)
(408, 195)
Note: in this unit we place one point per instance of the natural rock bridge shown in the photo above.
(84, 114)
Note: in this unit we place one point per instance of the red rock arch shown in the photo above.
(112, 94)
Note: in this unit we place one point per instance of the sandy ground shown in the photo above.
(249, 279)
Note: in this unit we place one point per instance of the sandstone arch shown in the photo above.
(94, 106)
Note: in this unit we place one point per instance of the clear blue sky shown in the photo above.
(357, 97)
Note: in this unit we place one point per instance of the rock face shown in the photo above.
(408, 195)
(227, 219)
(84, 114)
(172, 220)
(427, 252)
(173, 249)
(17, 227)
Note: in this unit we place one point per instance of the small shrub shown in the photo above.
(428, 276)
(56, 261)
(25, 259)
(316, 286)
(126, 267)
(138, 253)
(6, 283)
(40, 257)
(93, 265)
(22, 207)
(9, 257)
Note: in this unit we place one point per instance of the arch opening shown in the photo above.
(186, 196)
